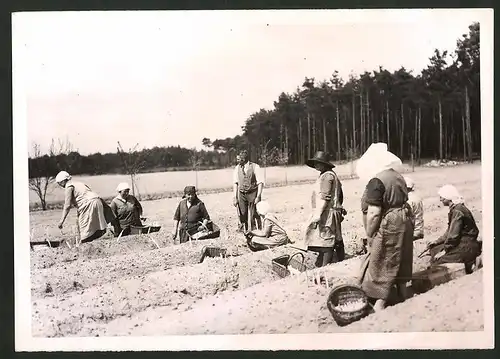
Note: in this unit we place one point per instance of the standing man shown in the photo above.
(248, 183)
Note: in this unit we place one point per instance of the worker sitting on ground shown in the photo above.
(271, 235)
(417, 208)
(459, 243)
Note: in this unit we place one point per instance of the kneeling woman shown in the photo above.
(459, 243)
(93, 214)
(127, 209)
(191, 214)
(271, 235)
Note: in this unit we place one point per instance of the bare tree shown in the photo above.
(44, 167)
(132, 162)
(195, 162)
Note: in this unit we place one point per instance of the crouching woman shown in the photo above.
(271, 235)
(459, 243)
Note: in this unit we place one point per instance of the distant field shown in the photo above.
(158, 184)
(163, 182)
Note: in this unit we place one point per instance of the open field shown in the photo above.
(169, 184)
(165, 182)
(133, 288)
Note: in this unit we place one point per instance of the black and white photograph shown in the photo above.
(253, 179)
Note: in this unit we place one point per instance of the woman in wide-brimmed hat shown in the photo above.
(190, 215)
(388, 222)
(324, 232)
(126, 208)
(93, 214)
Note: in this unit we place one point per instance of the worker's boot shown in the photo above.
(340, 251)
(469, 267)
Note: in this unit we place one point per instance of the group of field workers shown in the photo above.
(392, 218)
(94, 214)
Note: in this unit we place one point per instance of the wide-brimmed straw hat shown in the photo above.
(320, 157)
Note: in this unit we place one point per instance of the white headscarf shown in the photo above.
(375, 160)
(263, 208)
(451, 193)
(122, 186)
(63, 175)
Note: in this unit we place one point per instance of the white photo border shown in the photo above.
(24, 341)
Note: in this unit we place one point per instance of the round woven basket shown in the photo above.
(345, 294)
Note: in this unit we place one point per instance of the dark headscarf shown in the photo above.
(189, 190)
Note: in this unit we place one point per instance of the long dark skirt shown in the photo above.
(390, 255)
(465, 252)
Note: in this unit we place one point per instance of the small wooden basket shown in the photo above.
(213, 252)
(211, 230)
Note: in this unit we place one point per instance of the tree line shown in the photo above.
(434, 114)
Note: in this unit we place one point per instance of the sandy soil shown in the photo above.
(132, 287)
(453, 306)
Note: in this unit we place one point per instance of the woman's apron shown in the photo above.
(328, 230)
(390, 254)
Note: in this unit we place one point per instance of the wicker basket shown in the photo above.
(344, 294)
(281, 264)
(144, 229)
(213, 252)
(212, 231)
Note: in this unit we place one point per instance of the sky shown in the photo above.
(162, 78)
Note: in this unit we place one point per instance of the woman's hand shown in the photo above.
(431, 245)
(235, 201)
(174, 233)
(439, 255)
